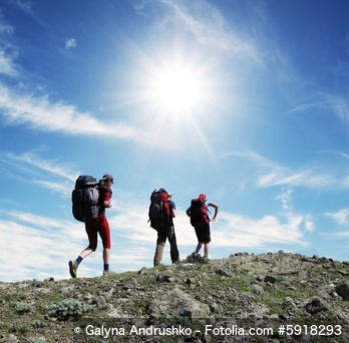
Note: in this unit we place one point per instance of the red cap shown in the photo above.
(202, 197)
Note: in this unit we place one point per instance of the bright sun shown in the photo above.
(177, 89)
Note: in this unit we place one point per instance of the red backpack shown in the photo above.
(198, 213)
(159, 209)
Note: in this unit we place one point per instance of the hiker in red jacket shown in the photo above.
(199, 219)
(95, 226)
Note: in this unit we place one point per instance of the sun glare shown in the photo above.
(176, 89)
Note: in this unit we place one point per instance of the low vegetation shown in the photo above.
(189, 301)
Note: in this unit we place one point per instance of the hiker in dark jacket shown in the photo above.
(95, 226)
(167, 231)
(200, 220)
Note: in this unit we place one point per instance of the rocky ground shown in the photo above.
(278, 297)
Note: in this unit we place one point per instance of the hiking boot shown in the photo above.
(108, 272)
(73, 267)
(205, 259)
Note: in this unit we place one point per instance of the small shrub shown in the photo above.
(38, 324)
(69, 308)
(22, 307)
(19, 328)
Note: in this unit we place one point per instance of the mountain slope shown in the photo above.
(245, 297)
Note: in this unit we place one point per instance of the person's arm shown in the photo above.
(173, 209)
(215, 211)
(107, 202)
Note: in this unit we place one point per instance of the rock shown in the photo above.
(270, 279)
(258, 289)
(315, 305)
(343, 290)
(288, 304)
(100, 302)
(178, 303)
(224, 272)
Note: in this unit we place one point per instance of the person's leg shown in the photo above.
(206, 239)
(106, 258)
(198, 247)
(104, 232)
(206, 249)
(91, 231)
(160, 244)
(198, 236)
(173, 243)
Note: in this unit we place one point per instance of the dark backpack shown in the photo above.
(198, 213)
(159, 209)
(85, 198)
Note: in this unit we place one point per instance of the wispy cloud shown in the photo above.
(339, 217)
(270, 173)
(303, 178)
(329, 103)
(7, 65)
(25, 6)
(285, 198)
(208, 25)
(70, 43)
(309, 224)
(42, 114)
(239, 231)
(28, 251)
(46, 173)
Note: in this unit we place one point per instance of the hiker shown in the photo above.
(200, 220)
(95, 226)
(165, 229)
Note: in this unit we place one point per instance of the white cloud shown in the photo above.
(70, 43)
(35, 246)
(208, 25)
(329, 103)
(41, 114)
(7, 65)
(46, 173)
(28, 251)
(25, 6)
(309, 223)
(270, 173)
(285, 198)
(283, 176)
(340, 217)
(238, 231)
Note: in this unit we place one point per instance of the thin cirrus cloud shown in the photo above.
(39, 113)
(30, 167)
(329, 103)
(270, 173)
(208, 25)
(340, 217)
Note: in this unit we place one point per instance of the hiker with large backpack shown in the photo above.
(90, 199)
(200, 220)
(162, 210)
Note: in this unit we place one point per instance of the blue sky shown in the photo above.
(246, 101)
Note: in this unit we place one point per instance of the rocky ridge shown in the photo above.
(192, 301)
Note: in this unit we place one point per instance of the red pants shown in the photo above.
(99, 225)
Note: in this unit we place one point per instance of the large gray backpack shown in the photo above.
(85, 198)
